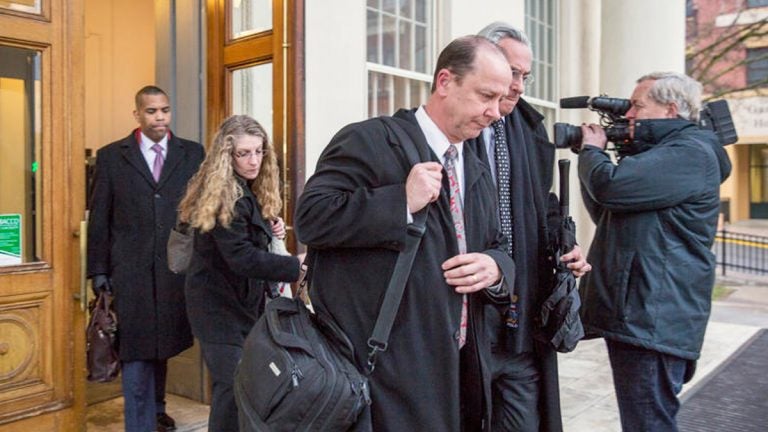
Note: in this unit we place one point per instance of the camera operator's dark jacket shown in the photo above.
(656, 214)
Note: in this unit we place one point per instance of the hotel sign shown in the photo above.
(750, 115)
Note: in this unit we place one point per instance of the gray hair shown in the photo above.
(499, 30)
(677, 88)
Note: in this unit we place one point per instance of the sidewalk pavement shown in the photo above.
(586, 385)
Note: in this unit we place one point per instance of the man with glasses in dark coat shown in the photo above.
(524, 370)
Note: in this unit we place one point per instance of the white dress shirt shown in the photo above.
(439, 143)
(490, 148)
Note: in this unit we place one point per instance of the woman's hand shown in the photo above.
(278, 228)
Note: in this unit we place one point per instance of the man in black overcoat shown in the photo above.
(525, 378)
(138, 183)
(353, 215)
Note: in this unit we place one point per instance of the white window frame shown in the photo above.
(544, 52)
(395, 72)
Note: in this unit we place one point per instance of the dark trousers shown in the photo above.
(515, 390)
(647, 383)
(144, 393)
(221, 360)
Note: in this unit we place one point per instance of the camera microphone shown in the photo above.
(615, 105)
(574, 102)
(599, 103)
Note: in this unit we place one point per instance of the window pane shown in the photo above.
(406, 8)
(758, 161)
(405, 45)
(421, 10)
(757, 65)
(250, 16)
(373, 37)
(389, 6)
(373, 3)
(29, 6)
(20, 181)
(421, 55)
(388, 93)
(252, 94)
(389, 35)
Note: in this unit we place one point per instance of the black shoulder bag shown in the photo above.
(297, 372)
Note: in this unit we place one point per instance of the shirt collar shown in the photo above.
(146, 143)
(436, 139)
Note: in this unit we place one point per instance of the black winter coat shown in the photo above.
(130, 219)
(353, 215)
(532, 158)
(228, 276)
(656, 214)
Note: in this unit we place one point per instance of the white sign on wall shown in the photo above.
(750, 115)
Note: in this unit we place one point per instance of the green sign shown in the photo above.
(10, 239)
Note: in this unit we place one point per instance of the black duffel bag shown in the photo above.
(293, 377)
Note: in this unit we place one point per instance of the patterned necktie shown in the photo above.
(457, 214)
(501, 156)
(157, 168)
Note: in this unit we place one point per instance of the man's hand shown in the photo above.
(423, 185)
(577, 262)
(99, 283)
(471, 272)
(593, 135)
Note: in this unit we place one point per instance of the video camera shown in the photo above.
(714, 116)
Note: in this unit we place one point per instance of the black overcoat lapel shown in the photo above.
(175, 155)
(130, 150)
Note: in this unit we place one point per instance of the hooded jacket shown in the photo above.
(656, 213)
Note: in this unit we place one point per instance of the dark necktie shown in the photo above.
(157, 168)
(457, 214)
(501, 157)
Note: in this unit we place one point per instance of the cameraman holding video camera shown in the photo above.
(656, 211)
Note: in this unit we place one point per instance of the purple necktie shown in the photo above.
(157, 167)
(457, 214)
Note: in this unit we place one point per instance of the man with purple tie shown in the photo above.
(137, 185)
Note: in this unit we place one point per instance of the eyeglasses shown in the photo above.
(248, 154)
(518, 75)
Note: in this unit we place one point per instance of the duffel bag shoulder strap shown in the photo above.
(380, 337)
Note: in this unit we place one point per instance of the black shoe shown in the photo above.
(165, 423)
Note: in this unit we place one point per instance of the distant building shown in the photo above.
(729, 38)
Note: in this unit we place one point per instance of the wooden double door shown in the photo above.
(251, 64)
(42, 316)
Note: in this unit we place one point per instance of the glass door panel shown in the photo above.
(250, 16)
(252, 94)
(20, 186)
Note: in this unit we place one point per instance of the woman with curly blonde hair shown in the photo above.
(232, 203)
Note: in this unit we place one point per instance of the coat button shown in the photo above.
(157, 195)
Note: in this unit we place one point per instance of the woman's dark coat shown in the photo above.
(131, 216)
(229, 273)
(352, 215)
(532, 158)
